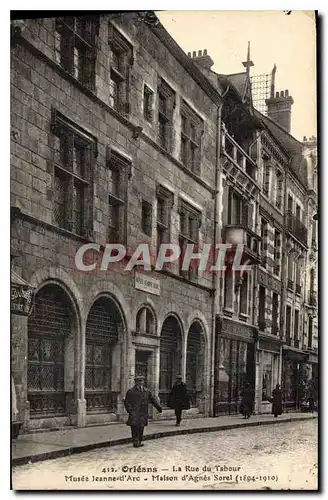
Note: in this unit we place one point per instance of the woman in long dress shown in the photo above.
(276, 401)
(246, 406)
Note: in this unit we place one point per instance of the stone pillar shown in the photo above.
(127, 373)
(81, 404)
(19, 349)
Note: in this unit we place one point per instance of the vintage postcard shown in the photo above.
(164, 249)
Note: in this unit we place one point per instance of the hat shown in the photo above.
(180, 376)
(139, 377)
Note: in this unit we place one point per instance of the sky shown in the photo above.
(276, 38)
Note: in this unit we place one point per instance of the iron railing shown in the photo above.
(296, 227)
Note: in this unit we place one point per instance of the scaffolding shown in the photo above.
(262, 89)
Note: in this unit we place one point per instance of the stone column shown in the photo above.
(19, 350)
(81, 404)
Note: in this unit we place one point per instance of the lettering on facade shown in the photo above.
(237, 329)
(147, 284)
(21, 298)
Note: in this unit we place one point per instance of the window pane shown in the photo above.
(60, 200)
(114, 93)
(80, 156)
(78, 202)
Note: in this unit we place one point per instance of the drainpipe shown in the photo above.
(256, 280)
(283, 268)
(217, 238)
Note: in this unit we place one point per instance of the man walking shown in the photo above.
(179, 399)
(136, 404)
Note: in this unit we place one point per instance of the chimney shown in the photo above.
(280, 108)
(203, 60)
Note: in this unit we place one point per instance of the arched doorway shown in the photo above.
(103, 356)
(49, 341)
(170, 356)
(195, 364)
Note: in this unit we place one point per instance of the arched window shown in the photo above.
(48, 327)
(102, 332)
(195, 363)
(145, 322)
(170, 356)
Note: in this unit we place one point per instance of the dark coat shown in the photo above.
(276, 402)
(246, 405)
(178, 397)
(136, 404)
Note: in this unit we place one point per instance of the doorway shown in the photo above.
(141, 365)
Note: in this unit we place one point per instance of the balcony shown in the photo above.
(240, 234)
(296, 228)
(236, 153)
(290, 285)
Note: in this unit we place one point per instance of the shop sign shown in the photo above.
(20, 299)
(147, 284)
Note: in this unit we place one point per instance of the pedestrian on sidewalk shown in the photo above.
(246, 406)
(136, 404)
(276, 401)
(179, 399)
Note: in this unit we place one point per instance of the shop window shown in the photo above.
(266, 375)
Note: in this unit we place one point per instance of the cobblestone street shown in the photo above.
(265, 457)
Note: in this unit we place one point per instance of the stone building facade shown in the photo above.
(114, 139)
(118, 136)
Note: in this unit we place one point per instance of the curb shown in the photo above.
(156, 435)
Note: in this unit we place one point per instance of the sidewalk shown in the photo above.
(53, 444)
